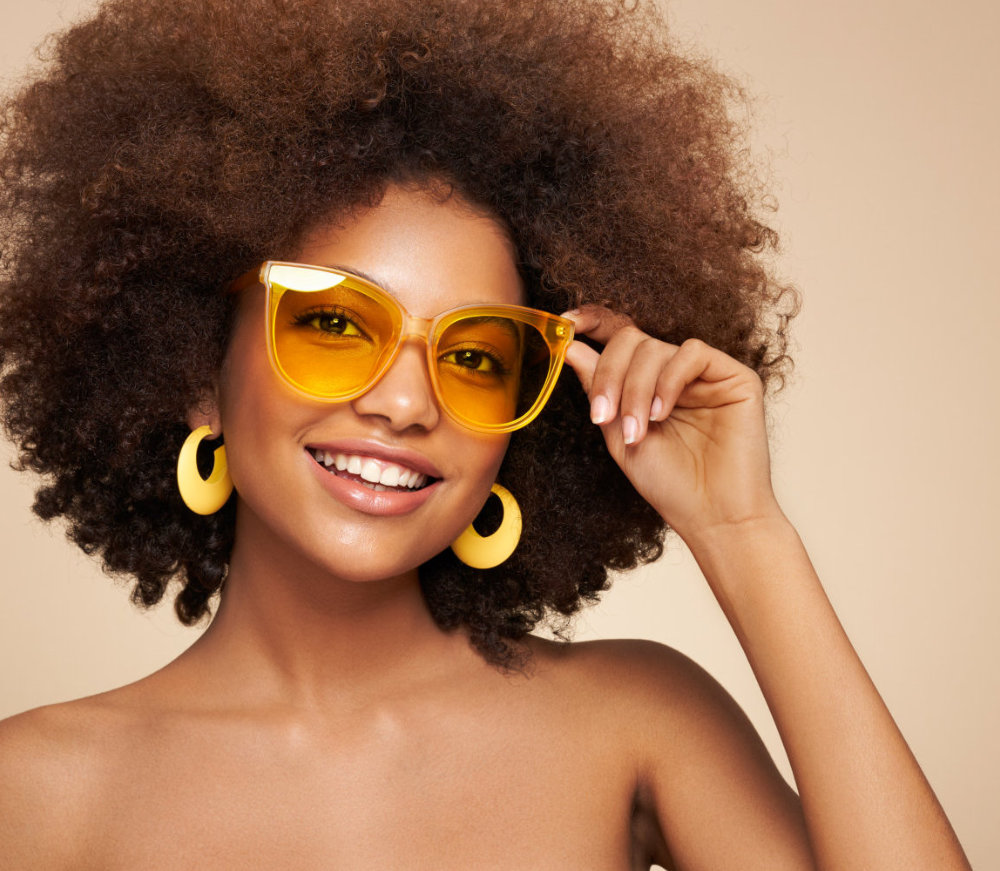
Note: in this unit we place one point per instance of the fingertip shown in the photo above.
(630, 429)
(656, 409)
(585, 317)
(600, 410)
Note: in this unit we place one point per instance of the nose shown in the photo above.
(403, 397)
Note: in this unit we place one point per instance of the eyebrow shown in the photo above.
(350, 270)
(358, 273)
(506, 324)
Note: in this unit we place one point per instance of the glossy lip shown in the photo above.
(361, 498)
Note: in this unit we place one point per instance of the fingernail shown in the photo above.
(572, 313)
(630, 429)
(656, 409)
(600, 409)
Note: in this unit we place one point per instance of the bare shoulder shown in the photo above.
(642, 691)
(38, 747)
(51, 763)
(646, 676)
(654, 691)
(701, 768)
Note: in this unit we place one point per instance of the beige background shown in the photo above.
(883, 130)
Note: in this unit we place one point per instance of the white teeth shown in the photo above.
(382, 476)
(390, 476)
(370, 471)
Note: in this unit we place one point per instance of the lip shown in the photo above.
(387, 503)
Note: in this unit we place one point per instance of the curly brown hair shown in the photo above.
(169, 145)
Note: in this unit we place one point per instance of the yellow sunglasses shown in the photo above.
(331, 335)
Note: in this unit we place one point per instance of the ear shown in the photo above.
(205, 412)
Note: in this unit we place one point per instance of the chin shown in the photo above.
(369, 558)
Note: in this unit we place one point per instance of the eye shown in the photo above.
(475, 360)
(483, 348)
(483, 363)
(331, 322)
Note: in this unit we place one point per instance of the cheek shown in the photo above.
(245, 376)
(252, 403)
(497, 459)
(486, 456)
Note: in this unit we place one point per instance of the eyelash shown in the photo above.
(304, 319)
(499, 370)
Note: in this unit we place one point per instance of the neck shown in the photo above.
(287, 631)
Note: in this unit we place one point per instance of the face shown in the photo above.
(285, 451)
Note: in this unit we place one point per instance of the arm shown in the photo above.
(687, 426)
(865, 800)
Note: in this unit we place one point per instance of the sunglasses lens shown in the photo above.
(491, 369)
(329, 341)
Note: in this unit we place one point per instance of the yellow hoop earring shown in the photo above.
(486, 552)
(200, 495)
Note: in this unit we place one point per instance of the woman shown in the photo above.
(212, 201)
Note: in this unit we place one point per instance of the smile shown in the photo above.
(377, 475)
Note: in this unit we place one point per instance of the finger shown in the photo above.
(582, 359)
(649, 359)
(597, 322)
(696, 371)
(610, 373)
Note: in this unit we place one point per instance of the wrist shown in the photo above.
(751, 560)
(754, 524)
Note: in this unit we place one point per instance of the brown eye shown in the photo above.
(331, 323)
(478, 361)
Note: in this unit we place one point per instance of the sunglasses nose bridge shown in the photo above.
(416, 328)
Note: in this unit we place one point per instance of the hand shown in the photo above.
(685, 423)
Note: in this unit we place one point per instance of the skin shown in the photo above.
(324, 721)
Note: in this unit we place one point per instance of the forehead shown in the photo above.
(431, 254)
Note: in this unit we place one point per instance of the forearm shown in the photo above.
(865, 799)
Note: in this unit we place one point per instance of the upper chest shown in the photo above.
(493, 783)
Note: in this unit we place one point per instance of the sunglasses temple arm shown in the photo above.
(246, 280)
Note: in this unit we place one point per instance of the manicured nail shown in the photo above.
(630, 429)
(656, 409)
(572, 313)
(600, 409)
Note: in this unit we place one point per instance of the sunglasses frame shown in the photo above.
(557, 333)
